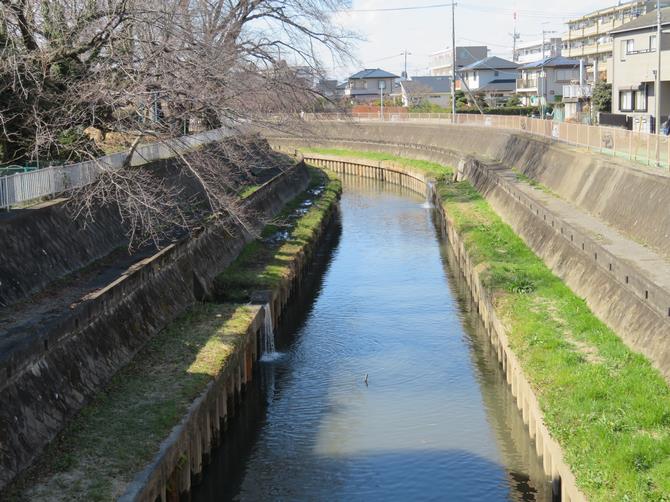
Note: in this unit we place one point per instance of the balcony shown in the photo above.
(526, 84)
(573, 91)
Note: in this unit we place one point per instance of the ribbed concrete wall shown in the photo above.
(51, 372)
(628, 197)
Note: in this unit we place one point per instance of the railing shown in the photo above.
(526, 83)
(576, 91)
(649, 149)
(23, 187)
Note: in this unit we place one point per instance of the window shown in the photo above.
(641, 99)
(652, 43)
(630, 46)
(626, 101)
(496, 73)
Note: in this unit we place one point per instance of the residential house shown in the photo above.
(368, 85)
(633, 70)
(541, 82)
(492, 77)
(589, 37)
(440, 62)
(532, 51)
(434, 90)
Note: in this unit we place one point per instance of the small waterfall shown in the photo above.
(269, 351)
(428, 204)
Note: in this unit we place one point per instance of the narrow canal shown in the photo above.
(435, 420)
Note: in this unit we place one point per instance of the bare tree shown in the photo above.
(77, 74)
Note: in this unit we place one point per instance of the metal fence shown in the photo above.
(20, 188)
(649, 149)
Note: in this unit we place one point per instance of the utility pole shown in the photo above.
(515, 36)
(543, 76)
(405, 53)
(657, 83)
(453, 62)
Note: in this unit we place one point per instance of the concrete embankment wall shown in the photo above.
(182, 455)
(626, 299)
(629, 198)
(563, 481)
(54, 370)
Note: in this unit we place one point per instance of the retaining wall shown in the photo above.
(563, 481)
(182, 455)
(53, 371)
(625, 195)
(628, 300)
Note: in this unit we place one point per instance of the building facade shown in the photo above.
(435, 90)
(541, 82)
(590, 37)
(633, 70)
(532, 51)
(369, 85)
(492, 77)
(440, 62)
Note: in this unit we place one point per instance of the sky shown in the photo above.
(478, 22)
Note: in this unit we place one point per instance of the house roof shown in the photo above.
(500, 84)
(491, 63)
(372, 73)
(645, 21)
(552, 62)
(436, 84)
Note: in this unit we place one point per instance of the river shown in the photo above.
(434, 420)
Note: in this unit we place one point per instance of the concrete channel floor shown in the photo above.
(643, 259)
(24, 323)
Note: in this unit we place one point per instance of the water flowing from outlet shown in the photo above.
(428, 204)
(269, 351)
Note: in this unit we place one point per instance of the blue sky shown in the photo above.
(478, 22)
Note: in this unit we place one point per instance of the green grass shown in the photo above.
(121, 430)
(607, 406)
(248, 190)
(534, 183)
(423, 165)
(261, 266)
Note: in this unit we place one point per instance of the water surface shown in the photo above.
(435, 420)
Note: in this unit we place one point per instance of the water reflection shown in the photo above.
(435, 422)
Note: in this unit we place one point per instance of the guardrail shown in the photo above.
(649, 149)
(20, 188)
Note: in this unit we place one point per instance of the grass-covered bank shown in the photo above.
(264, 263)
(121, 430)
(607, 406)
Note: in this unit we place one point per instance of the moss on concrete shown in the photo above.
(121, 430)
(264, 264)
(119, 433)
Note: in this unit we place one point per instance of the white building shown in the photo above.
(493, 77)
(440, 62)
(527, 52)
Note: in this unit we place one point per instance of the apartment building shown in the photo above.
(527, 52)
(634, 66)
(590, 37)
(440, 62)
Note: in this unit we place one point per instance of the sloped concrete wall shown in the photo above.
(629, 197)
(60, 366)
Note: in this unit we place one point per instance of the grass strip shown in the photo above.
(120, 431)
(606, 405)
(264, 263)
(423, 165)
